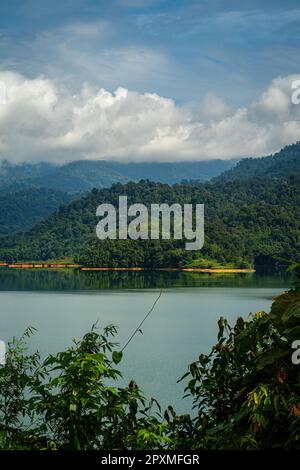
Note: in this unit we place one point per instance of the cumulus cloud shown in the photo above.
(42, 121)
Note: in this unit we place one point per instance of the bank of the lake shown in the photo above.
(41, 265)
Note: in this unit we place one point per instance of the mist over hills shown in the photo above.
(84, 175)
(282, 164)
(29, 193)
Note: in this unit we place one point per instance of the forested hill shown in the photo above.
(20, 210)
(280, 165)
(244, 221)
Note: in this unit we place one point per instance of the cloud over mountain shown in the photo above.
(44, 121)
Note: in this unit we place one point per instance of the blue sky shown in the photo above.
(180, 49)
(184, 50)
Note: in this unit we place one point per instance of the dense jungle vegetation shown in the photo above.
(246, 222)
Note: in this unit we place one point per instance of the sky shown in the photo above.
(138, 80)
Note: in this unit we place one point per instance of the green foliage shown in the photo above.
(16, 379)
(69, 400)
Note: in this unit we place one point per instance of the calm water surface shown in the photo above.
(64, 304)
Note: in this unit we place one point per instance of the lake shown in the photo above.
(64, 304)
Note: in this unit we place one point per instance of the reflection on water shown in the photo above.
(69, 279)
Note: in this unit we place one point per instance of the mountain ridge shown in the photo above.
(22, 206)
(83, 175)
(281, 164)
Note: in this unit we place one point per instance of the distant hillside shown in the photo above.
(21, 210)
(84, 175)
(280, 165)
(252, 209)
(246, 222)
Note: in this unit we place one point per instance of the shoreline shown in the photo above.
(199, 270)
(84, 268)
(39, 265)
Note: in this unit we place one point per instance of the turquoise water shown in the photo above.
(64, 305)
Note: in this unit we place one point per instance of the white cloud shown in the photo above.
(42, 121)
